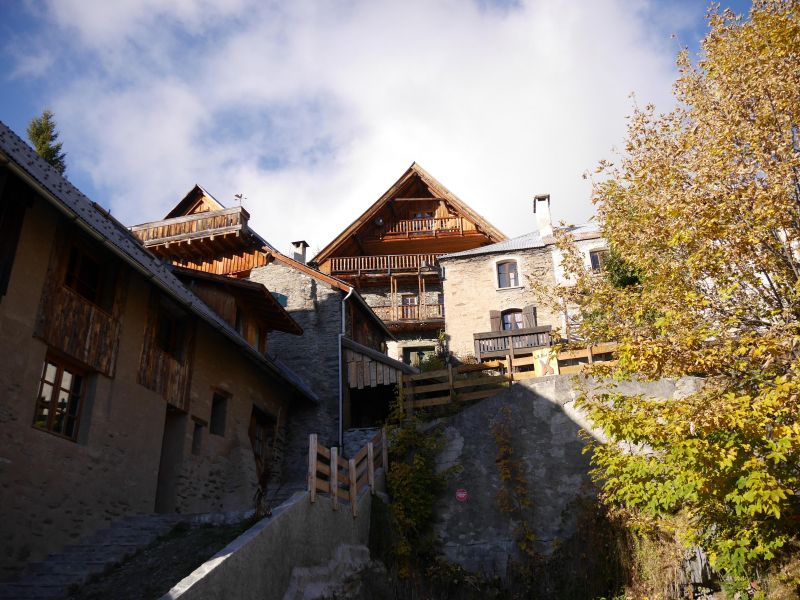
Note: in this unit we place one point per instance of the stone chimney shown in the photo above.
(541, 208)
(300, 251)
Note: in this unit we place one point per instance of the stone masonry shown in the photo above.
(470, 292)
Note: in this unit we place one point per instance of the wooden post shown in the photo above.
(371, 466)
(589, 353)
(353, 486)
(312, 467)
(511, 358)
(450, 378)
(335, 477)
(401, 397)
(384, 450)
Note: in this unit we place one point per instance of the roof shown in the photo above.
(379, 356)
(99, 224)
(528, 241)
(254, 294)
(333, 281)
(435, 186)
(190, 199)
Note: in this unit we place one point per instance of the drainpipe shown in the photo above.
(341, 394)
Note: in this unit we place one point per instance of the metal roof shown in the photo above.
(99, 223)
(528, 241)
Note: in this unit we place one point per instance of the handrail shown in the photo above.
(384, 262)
(192, 226)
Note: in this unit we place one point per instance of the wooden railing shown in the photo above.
(494, 344)
(410, 312)
(429, 226)
(483, 380)
(461, 383)
(218, 222)
(331, 474)
(387, 263)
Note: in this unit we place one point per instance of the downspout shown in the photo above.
(341, 392)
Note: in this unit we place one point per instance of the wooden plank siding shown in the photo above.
(160, 371)
(363, 372)
(71, 324)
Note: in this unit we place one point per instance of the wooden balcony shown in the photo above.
(410, 313)
(513, 342)
(192, 235)
(384, 264)
(410, 228)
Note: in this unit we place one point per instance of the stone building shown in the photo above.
(391, 255)
(341, 355)
(123, 392)
(491, 306)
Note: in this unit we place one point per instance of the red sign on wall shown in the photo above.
(462, 495)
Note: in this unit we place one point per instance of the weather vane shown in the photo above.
(239, 198)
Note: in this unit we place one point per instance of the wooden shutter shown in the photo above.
(529, 316)
(495, 320)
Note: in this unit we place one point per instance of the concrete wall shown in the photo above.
(477, 534)
(258, 564)
(470, 292)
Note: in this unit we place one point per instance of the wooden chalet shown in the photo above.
(391, 255)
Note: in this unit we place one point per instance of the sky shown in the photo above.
(312, 109)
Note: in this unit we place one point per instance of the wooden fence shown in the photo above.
(483, 380)
(331, 474)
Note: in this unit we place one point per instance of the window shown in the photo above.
(598, 259)
(91, 277)
(171, 332)
(409, 306)
(219, 408)
(512, 319)
(58, 405)
(507, 274)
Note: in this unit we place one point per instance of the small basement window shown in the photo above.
(219, 409)
(60, 398)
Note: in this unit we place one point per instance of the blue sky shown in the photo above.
(312, 109)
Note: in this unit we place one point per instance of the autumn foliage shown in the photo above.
(702, 210)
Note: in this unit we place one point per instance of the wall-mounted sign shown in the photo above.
(462, 495)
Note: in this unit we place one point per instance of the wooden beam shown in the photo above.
(312, 467)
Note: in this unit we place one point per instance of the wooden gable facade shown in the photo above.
(391, 252)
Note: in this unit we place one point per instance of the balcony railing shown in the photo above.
(199, 225)
(387, 263)
(410, 312)
(429, 226)
(494, 344)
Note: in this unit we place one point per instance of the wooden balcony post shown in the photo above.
(384, 450)
(371, 466)
(335, 477)
(312, 467)
(589, 354)
(511, 358)
(351, 464)
(450, 378)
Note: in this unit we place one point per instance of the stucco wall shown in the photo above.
(470, 292)
(52, 489)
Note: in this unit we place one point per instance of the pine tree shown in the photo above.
(44, 137)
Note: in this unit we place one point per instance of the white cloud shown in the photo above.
(313, 109)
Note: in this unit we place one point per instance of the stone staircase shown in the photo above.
(331, 580)
(75, 564)
(279, 494)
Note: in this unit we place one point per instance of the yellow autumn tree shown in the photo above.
(703, 210)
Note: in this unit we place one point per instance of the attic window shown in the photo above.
(598, 259)
(90, 276)
(507, 274)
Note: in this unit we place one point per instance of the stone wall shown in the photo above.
(471, 292)
(317, 307)
(544, 425)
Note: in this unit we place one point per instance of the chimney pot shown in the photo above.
(299, 248)
(541, 208)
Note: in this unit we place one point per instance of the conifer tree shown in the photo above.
(44, 137)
